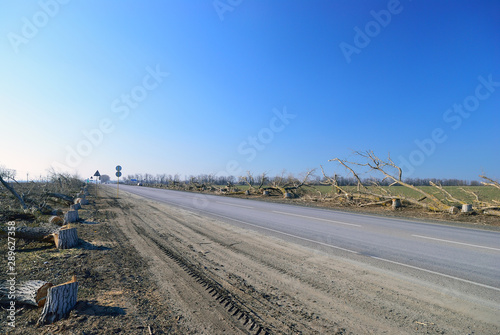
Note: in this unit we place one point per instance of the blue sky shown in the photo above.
(223, 87)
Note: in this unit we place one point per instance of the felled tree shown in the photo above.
(391, 172)
(255, 184)
(289, 186)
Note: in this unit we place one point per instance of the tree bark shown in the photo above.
(66, 238)
(32, 233)
(61, 196)
(60, 301)
(33, 292)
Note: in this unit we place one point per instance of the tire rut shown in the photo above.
(233, 305)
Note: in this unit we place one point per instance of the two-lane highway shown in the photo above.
(462, 261)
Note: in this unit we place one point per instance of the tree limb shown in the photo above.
(11, 190)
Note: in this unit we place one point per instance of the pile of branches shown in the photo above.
(285, 186)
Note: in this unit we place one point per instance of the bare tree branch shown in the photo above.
(491, 182)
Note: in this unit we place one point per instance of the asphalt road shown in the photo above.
(464, 262)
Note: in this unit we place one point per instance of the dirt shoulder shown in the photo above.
(116, 293)
(153, 268)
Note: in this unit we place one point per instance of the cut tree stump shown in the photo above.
(466, 208)
(33, 292)
(71, 216)
(266, 193)
(66, 238)
(60, 301)
(396, 203)
(81, 201)
(75, 207)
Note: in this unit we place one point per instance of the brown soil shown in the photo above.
(150, 268)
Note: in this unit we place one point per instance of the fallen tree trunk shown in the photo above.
(33, 292)
(383, 202)
(63, 237)
(60, 301)
(32, 233)
(14, 193)
(60, 196)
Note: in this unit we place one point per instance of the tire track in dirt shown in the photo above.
(234, 306)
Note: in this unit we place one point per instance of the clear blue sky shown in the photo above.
(196, 86)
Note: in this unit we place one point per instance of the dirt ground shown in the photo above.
(150, 268)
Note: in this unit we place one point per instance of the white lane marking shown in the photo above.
(225, 203)
(280, 232)
(448, 241)
(438, 273)
(311, 217)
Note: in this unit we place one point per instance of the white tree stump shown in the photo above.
(33, 292)
(60, 301)
(266, 193)
(288, 195)
(66, 238)
(247, 192)
(453, 210)
(396, 203)
(71, 216)
(466, 208)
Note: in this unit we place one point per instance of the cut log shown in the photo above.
(66, 238)
(60, 301)
(33, 292)
(71, 216)
(492, 212)
(288, 195)
(61, 196)
(32, 233)
(266, 193)
(396, 203)
(383, 202)
(453, 210)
